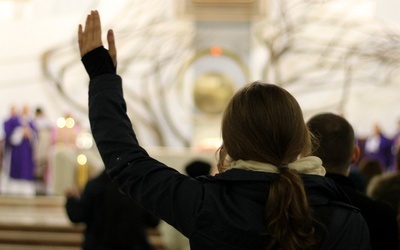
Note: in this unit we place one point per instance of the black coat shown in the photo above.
(380, 217)
(221, 212)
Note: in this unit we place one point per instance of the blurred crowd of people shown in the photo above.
(27, 137)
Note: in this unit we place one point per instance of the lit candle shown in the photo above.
(82, 171)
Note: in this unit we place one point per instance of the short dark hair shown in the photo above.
(335, 140)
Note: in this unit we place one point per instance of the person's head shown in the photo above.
(264, 123)
(377, 129)
(38, 111)
(25, 110)
(386, 188)
(369, 168)
(13, 111)
(335, 144)
(198, 168)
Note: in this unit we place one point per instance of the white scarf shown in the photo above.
(305, 165)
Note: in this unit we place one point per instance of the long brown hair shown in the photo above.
(264, 123)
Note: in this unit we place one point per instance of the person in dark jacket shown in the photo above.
(268, 194)
(113, 221)
(337, 148)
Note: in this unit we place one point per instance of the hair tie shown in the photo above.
(285, 165)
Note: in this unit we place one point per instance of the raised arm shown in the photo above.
(165, 192)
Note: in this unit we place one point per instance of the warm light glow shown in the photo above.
(210, 144)
(81, 159)
(70, 123)
(84, 140)
(61, 122)
(215, 51)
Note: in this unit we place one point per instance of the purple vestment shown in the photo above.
(20, 148)
(382, 150)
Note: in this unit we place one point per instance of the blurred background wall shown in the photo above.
(181, 60)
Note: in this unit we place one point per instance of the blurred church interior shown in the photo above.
(181, 61)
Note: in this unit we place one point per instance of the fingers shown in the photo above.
(112, 50)
(89, 38)
(80, 39)
(87, 23)
(86, 32)
(93, 31)
(96, 23)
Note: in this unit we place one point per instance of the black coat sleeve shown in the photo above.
(165, 192)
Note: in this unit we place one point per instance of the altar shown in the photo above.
(66, 171)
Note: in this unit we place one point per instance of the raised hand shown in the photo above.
(89, 38)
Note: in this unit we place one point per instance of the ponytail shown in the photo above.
(264, 123)
(288, 219)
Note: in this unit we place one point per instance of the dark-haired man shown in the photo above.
(336, 146)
